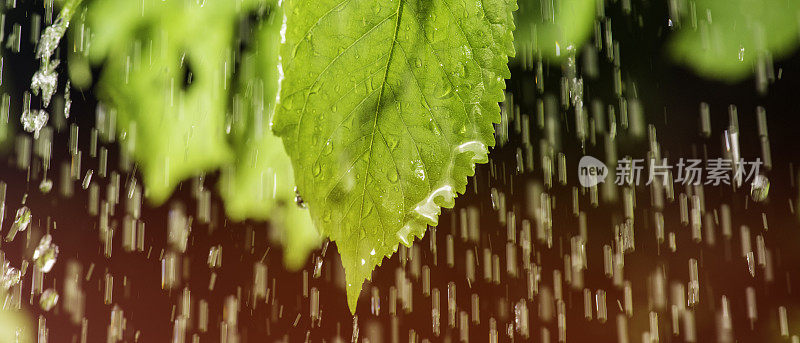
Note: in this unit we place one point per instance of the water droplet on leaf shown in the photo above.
(316, 169)
(298, 199)
(392, 175)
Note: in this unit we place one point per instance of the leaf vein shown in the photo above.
(398, 14)
(308, 95)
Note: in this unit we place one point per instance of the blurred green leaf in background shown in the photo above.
(16, 326)
(547, 28)
(188, 102)
(732, 39)
(260, 184)
(167, 74)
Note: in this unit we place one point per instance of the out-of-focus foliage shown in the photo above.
(547, 28)
(385, 108)
(188, 103)
(15, 325)
(167, 73)
(730, 39)
(260, 184)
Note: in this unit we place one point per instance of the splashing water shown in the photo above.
(34, 121)
(51, 36)
(45, 81)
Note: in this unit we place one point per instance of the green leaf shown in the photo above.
(548, 28)
(261, 173)
(16, 325)
(300, 237)
(385, 108)
(728, 37)
(174, 131)
(260, 184)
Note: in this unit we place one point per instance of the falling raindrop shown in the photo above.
(21, 221)
(67, 100)
(10, 277)
(45, 254)
(46, 185)
(48, 299)
(759, 188)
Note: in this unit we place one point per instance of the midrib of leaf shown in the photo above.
(334, 60)
(316, 81)
(398, 15)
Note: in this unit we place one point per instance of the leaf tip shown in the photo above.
(353, 293)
